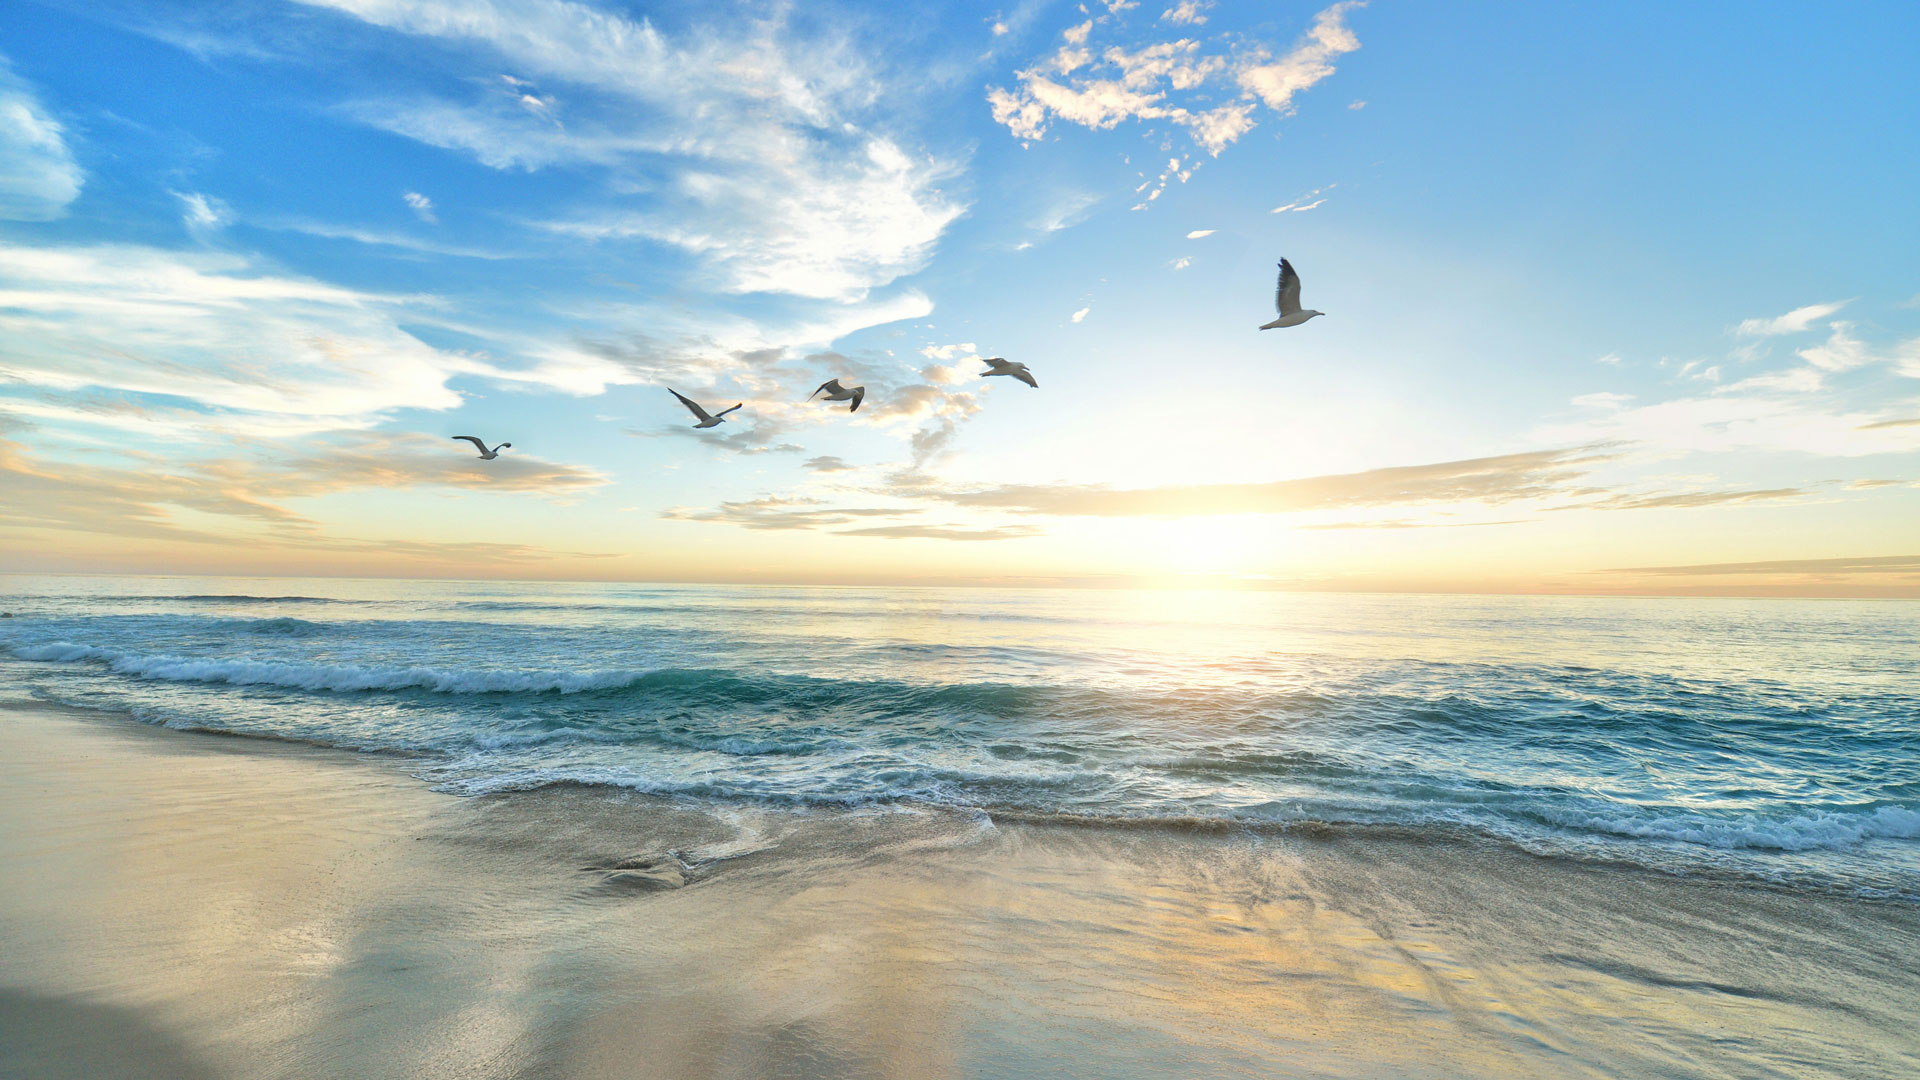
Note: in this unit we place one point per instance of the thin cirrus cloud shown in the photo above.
(241, 349)
(1884, 564)
(1489, 480)
(38, 174)
(248, 490)
(1793, 322)
(1169, 80)
(759, 145)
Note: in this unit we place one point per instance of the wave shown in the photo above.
(1816, 831)
(329, 677)
(225, 598)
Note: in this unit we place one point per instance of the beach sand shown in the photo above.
(188, 905)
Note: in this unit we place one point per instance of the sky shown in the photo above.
(1620, 298)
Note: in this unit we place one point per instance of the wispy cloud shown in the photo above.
(1793, 322)
(1198, 233)
(239, 348)
(38, 175)
(1081, 315)
(247, 490)
(201, 213)
(1490, 480)
(754, 146)
(1186, 13)
(774, 512)
(1882, 564)
(421, 206)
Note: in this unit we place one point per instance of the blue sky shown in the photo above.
(1620, 297)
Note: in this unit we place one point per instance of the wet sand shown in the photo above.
(182, 905)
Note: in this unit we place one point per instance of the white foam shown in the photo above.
(1820, 830)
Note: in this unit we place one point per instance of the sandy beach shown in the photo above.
(186, 905)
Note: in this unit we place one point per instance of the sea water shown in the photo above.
(1776, 741)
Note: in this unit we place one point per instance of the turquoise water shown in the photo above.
(1773, 740)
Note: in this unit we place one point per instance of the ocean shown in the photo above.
(1770, 741)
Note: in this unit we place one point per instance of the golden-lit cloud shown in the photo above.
(1489, 480)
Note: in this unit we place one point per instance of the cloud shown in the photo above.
(1884, 564)
(1490, 480)
(38, 176)
(1357, 105)
(374, 238)
(750, 144)
(219, 340)
(1168, 80)
(1684, 499)
(774, 512)
(1185, 13)
(1786, 411)
(1081, 315)
(1182, 262)
(421, 206)
(1309, 62)
(201, 213)
(1302, 203)
(1198, 233)
(1881, 425)
(1793, 322)
(941, 532)
(827, 463)
(143, 503)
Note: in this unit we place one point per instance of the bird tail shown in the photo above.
(1271, 325)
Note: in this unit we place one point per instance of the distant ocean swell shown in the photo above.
(1799, 772)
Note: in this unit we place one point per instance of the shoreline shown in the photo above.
(262, 909)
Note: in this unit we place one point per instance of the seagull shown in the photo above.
(836, 392)
(485, 454)
(694, 408)
(999, 366)
(1288, 300)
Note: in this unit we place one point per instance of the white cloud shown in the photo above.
(1840, 352)
(1357, 106)
(1198, 233)
(222, 344)
(201, 213)
(1301, 203)
(1081, 315)
(1185, 13)
(1167, 81)
(1182, 262)
(38, 176)
(1306, 64)
(1793, 322)
(421, 206)
(753, 141)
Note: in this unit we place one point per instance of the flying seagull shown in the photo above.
(836, 392)
(1287, 298)
(998, 365)
(695, 409)
(485, 454)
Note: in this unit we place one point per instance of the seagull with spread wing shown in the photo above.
(706, 420)
(836, 392)
(485, 454)
(998, 365)
(1287, 299)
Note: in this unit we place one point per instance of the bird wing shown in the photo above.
(1287, 297)
(832, 386)
(691, 405)
(859, 395)
(724, 412)
(1025, 376)
(476, 442)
